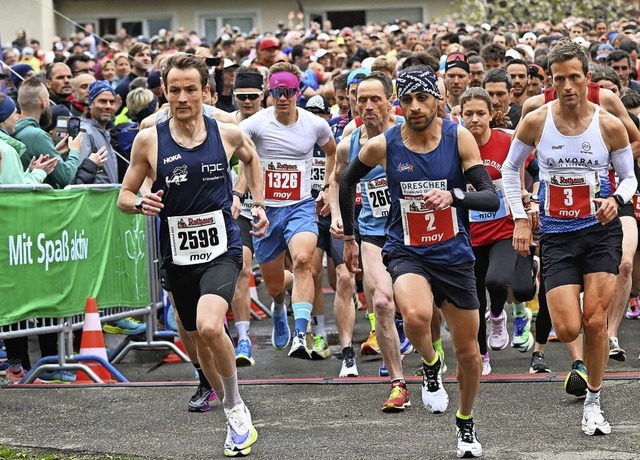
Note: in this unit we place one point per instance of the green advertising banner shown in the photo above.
(59, 247)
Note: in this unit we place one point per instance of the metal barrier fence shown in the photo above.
(19, 255)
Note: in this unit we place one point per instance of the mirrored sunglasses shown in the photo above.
(277, 93)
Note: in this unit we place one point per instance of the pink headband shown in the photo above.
(284, 80)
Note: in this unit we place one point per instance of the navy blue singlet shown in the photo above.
(195, 181)
(408, 173)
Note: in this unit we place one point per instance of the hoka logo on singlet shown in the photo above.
(172, 158)
(178, 175)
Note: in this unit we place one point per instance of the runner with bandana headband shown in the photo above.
(428, 251)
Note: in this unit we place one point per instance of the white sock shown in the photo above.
(242, 328)
(231, 394)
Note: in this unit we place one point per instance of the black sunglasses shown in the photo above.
(245, 96)
(277, 93)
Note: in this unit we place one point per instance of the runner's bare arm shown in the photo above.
(242, 148)
(143, 156)
(323, 202)
(244, 151)
(342, 160)
(148, 122)
(373, 153)
(530, 105)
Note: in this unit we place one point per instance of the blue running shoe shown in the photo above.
(3, 352)
(243, 354)
(383, 371)
(405, 344)
(241, 434)
(281, 334)
(57, 377)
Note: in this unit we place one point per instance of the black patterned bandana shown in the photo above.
(417, 81)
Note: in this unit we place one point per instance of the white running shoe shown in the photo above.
(241, 434)
(468, 444)
(299, 347)
(593, 421)
(498, 337)
(434, 396)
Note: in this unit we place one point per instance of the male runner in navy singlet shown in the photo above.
(188, 158)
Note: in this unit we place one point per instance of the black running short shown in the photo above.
(376, 240)
(330, 245)
(189, 283)
(567, 257)
(455, 283)
(245, 228)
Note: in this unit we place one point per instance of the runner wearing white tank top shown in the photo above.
(581, 235)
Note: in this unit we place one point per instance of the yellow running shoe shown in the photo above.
(370, 346)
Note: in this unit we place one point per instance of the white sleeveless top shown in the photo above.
(579, 162)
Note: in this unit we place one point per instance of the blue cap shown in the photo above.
(356, 76)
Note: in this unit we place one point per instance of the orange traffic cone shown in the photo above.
(253, 292)
(92, 343)
(172, 357)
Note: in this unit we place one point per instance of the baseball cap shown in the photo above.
(228, 63)
(534, 70)
(529, 35)
(512, 54)
(356, 76)
(27, 50)
(318, 104)
(268, 43)
(322, 36)
(321, 52)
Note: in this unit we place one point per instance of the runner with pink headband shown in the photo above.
(285, 138)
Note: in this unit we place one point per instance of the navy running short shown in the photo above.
(454, 283)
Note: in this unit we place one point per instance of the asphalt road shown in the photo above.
(302, 410)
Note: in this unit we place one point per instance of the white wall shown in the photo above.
(37, 19)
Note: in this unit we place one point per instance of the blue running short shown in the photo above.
(285, 222)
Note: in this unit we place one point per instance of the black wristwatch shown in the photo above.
(138, 204)
(534, 198)
(239, 195)
(458, 197)
(618, 199)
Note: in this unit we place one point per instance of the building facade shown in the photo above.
(44, 19)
